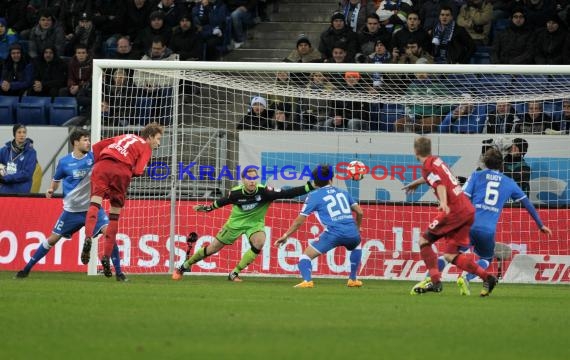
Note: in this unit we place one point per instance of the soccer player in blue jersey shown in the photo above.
(74, 172)
(333, 207)
(489, 190)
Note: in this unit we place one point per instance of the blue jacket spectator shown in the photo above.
(17, 72)
(209, 18)
(7, 38)
(464, 119)
(17, 163)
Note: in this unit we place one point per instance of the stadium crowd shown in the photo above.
(47, 48)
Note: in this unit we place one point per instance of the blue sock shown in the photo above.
(441, 263)
(305, 267)
(355, 257)
(115, 258)
(41, 251)
(481, 262)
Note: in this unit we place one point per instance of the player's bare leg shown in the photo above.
(256, 240)
(200, 254)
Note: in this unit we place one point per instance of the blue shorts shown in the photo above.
(71, 222)
(483, 242)
(328, 241)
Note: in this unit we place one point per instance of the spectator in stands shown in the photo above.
(413, 30)
(463, 119)
(350, 114)
(381, 55)
(156, 28)
(17, 15)
(513, 45)
(355, 12)
(476, 17)
(503, 119)
(152, 82)
(84, 34)
(451, 43)
(46, 33)
(118, 98)
(430, 11)
(372, 32)
(50, 74)
(515, 166)
(283, 106)
(413, 54)
(79, 75)
(137, 15)
(172, 12)
(566, 50)
(338, 33)
(538, 12)
(502, 9)
(549, 42)
(565, 121)
(243, 15)
(315, 110)
(110, 19)
(18, 161)
(209, 17)
(339, 55)
(395, 11)
(304, 51)
(534, 121)
(7, 38)
(423, 118)
(17, 72)
(257, 117)
(71, 13)
(185, 40)
(125, 50)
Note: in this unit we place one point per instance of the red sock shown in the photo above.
(111, 234)
(466, 263)
(91, 219)
(430, 258)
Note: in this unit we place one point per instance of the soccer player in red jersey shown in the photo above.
(452, 223)
(117, 160)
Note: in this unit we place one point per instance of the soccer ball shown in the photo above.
(356, 170)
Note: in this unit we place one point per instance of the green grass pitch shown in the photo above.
(73, 316)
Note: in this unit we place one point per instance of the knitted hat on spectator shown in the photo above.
(4, 22)
(555, 18)
(303, 39)
(85, 16)
(156, 15)
(384, 15)
(352, 75)
(379, 41)
(16, 46)
(259, 100)
(518, 9)
(337, 16)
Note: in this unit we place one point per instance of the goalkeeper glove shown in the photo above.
(203, 208)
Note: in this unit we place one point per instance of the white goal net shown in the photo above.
(286, 118)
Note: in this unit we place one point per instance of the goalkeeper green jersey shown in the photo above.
(249, 209)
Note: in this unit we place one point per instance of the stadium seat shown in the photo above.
(62, 109)
(524, 84)
(461, 83)
(33, 110)
(8, 109)
(493, 84)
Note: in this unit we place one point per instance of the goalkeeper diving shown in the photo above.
(250, 202)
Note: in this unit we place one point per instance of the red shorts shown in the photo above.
(454, 227)
(110, 180)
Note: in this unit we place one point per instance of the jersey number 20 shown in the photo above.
(337, 205)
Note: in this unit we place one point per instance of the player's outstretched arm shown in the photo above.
(289, 193)
(532, 212)
(294, 226)
(545, 230)
(411, 187)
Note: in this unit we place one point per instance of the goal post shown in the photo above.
(332, 113)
